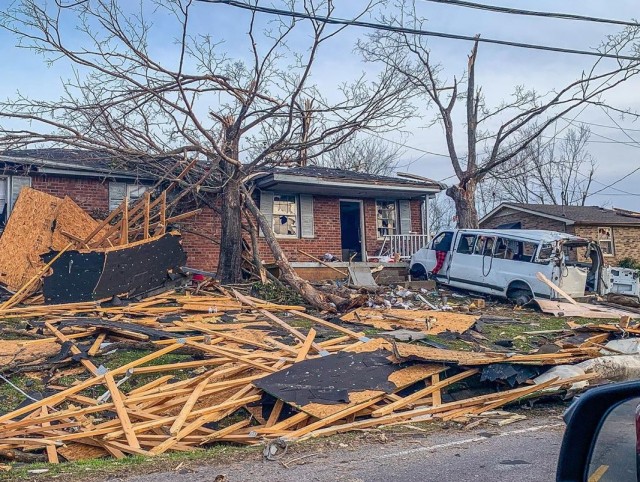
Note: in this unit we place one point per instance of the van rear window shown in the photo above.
(515, 250)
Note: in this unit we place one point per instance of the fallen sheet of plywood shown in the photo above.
(361, 276)
(36, 226)
(581, 310)
(425, 321)
(410, 352)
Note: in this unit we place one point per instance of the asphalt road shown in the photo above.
(614, 451)
(526, 451)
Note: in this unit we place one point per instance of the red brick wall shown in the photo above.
(92, 195)
(625, 241)
(203, 253)
(199, 236)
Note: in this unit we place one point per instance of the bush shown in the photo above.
(629, 262)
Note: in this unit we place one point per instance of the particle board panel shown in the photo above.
(393, 319)
(582, 310)
(35, 228)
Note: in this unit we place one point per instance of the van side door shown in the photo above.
(467, 261)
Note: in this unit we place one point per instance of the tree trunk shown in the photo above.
(465, 201)
(230, 262)
(306, 290)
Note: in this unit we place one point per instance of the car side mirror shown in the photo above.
(601, 440)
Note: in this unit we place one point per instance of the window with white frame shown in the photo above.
(285, 215)
(605, 240)
(386, 218)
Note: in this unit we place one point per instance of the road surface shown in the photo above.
(526, 451)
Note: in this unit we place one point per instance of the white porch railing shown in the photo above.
(403, 244)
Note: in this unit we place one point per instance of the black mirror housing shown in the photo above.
(584, 420)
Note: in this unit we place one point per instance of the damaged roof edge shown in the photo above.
(489, 215)
(46, 166)
(273, 179)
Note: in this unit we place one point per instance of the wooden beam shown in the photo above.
(145, 225)
(124, 229)
(556, 288)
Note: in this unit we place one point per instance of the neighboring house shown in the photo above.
(617, 231)
(313, 209)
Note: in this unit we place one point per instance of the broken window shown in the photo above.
(285, 215)
(605, 240)
(386, 218)
(484, 246)
(465, 245)
(135, 191)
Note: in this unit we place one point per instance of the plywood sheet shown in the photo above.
(35, 228)
(582, 310)
(393, 319)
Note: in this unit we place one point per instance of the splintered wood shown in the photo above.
(426, 321)
(197, 382)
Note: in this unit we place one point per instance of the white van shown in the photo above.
(504, 262)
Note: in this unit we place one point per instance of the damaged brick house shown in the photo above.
(313, 209)
(616, 230)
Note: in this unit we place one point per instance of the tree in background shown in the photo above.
(496, 135)
(364, 154)
(558, 170)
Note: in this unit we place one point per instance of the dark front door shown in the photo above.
(350, 230)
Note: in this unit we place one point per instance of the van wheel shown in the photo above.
(418, 272)
(520, 296)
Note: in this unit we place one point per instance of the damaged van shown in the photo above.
(504, 262)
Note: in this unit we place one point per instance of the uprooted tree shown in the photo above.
(145, 94)
(494, 136)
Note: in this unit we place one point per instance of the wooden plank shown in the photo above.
(163, 213)
(145, 225)
(436, 397)
(333, 418)
(328, 324)
(121, 410)
(323, 263)
(275, 413)
(556, 288)
(306, 346)
(124, 229)
(112, 215)
(233, 356)
(95, 347)
(387, 409)
(321, 351)
(188, 406)
(52, 454)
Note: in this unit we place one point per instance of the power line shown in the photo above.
(533, 13)
(413, 31)
(615, 182)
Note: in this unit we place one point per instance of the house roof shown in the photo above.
(592, 215)
(340, 182)
(74, 162)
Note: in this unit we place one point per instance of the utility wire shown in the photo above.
(413, 31)
(533, 13)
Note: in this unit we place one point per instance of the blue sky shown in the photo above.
(499, 70)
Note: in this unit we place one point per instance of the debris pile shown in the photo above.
(251, 377)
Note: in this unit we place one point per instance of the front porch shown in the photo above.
(391, 273)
